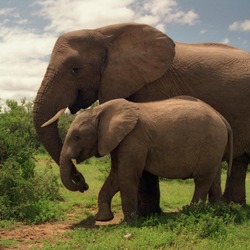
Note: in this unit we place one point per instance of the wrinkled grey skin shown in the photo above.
(140, 63)
(180, 137)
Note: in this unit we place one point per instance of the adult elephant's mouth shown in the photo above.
(84, 100)
(76, 107)
(77, 104)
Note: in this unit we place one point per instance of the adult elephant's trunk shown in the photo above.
(49, 136)
(45, 107)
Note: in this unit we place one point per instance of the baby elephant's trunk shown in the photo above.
(71, 178)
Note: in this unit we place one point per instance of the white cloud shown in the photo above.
(181, 17)
(22, 63)
(158, 13)
(25, 48)
(240, 26)
(66, 15)
(159, 7)
(148, 19)
(6, 11)
(160, 27)
(11, 16)
(191, 17)
(225, 40)
(203, 31)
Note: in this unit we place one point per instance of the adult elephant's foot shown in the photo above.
(104, 213)
(146, 210)
(148, 195)
(236, 184)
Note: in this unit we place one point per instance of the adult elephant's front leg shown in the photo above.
(236, 184)
(148, 195)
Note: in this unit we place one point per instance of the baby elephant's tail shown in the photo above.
(229, 146)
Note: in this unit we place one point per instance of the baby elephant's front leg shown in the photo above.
(108, 190)
(130, 170)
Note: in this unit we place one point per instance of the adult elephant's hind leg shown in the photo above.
(236, 183)
(148, 195)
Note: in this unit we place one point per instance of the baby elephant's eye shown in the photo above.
(75, 71)
(76, 137)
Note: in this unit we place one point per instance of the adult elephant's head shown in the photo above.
(105, 63)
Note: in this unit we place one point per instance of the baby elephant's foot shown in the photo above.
(104, 216)
(104, 211)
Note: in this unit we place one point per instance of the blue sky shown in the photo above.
(29, 28)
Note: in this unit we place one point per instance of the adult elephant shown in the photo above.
(140, 63)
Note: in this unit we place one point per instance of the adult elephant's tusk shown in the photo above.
(54, 118)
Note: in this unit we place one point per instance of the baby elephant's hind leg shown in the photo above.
(203, 184)
(200, 191)
(215, 192)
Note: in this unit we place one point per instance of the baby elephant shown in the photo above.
(181, 137)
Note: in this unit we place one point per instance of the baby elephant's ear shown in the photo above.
(117, 119)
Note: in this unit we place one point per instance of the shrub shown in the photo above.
(21, 188)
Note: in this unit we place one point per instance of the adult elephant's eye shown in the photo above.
(75, 71)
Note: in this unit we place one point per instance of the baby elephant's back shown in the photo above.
(189, 125)
(196, 118)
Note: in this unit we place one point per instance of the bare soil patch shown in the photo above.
(28, 236)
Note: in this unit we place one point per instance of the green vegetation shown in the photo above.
(31, 192)
(193, 228)
(220, 226)
(25, 195)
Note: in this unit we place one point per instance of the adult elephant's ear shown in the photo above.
(116, 120)
(137, 54)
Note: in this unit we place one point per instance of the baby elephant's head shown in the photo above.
(95, 132)
(80, 144)
(81, 140)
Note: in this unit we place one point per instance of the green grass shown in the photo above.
(179, 227)
(197, 228)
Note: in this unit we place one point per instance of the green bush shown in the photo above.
(64, 124)
(31, 199)
(41, 211)
(22, 190)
